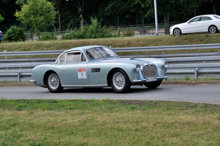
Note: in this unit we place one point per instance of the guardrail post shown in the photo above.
(196, 72)
(163, 52)
(19, 77)
(5, 54)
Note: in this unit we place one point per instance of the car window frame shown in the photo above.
(65, 54)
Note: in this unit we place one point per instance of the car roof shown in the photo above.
(83, 48)
(211, 15)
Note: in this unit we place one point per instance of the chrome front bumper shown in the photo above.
(145, 80)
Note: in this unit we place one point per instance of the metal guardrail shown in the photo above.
(129, 49)
(193, 63)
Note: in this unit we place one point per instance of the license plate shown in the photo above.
(150, 79)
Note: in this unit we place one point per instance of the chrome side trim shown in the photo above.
(100, 85)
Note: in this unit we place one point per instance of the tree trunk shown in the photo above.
(80, 10)
(81, 17)
(58, 15)
(166, 24)
(214, 8)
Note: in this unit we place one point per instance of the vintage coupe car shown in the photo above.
(97, 67)
(203, 23)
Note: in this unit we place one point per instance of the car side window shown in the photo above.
(205, 18)
(195, 20)
(73, 57)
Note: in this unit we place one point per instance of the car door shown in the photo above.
(204, 23)
(192, 25)
(74, 69)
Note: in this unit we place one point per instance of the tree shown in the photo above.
(126, 9)
(20, 2)
(1, 18)
(58, 5)
(214, 3)
(40, 13)
(79, 5)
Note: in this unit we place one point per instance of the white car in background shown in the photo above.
(203, 23)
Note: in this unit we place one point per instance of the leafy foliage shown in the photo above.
(1, 18)
(15, 34)
(93, 30)
(48, 36)
(128, 33)
(38, 12)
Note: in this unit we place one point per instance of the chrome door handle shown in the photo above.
(63, 69)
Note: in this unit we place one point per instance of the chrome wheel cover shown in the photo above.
(118, 80)
(176, 32)
(53, 81)
(212, 29)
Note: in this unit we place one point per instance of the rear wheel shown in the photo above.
(53, 83)
(176, 32)
(213, 29)
(119, 81)
(153, 85)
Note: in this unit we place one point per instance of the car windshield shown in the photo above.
(99, 53)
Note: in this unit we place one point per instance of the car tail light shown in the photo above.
(0, 32)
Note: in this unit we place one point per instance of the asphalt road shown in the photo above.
(195, 93)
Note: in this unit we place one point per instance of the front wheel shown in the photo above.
(53, 83)
(213, 29)
(119, 81)
(176, 32)
(153, 85)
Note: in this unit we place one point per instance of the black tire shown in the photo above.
(119, 81)
(53, 83)
(213, 29)
(177, 32)
(153, 85)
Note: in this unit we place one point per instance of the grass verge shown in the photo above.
(114, 42)
(107, 122)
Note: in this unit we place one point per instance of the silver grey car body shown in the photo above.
(76, 68)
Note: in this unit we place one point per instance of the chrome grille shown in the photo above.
(149, 71)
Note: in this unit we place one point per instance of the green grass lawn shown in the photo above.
(108, 122)
(114, 42)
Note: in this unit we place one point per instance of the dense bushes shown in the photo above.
(95, 31)
(15, 34)
(128, 33)
(48, 36)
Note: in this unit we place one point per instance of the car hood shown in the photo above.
(179, 25)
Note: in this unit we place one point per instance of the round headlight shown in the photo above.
(138, 67)
(165, 64)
